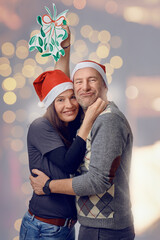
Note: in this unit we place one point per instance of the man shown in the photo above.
(102, 188)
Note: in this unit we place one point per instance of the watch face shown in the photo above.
(46, 190)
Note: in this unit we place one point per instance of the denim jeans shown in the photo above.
(32, 229)
(91, 233)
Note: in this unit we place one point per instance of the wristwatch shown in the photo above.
(46, 188)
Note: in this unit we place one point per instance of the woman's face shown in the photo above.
(66, 106)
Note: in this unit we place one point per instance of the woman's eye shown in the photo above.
(73, 97)
(60, 100)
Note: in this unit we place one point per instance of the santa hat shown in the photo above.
(50, 84)
(87, 63)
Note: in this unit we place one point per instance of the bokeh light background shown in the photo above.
(125, 36)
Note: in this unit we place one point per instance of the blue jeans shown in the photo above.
(32, 229)
(91, 233)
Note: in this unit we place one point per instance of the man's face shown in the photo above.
(88, 86)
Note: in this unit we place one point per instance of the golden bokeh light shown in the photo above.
(72, 19)
(25, 92)
(26, 188)
(134, 14)
(20, 80)
(9, 117)
(23, 158)
(145, 177)
(41, 60)
(22, 43)
(17, 145)
(9, 84)
(28, 71)
(76, 57)
(22, 52)
(111, 7)
(156, 104)
(132, 92)
(79, 4)
(17, 131)
(102, 51)
(4, 60)
(93, 36)
(17, 224)
(21, 115)
(30, 61)
(5, 70)
(93, 57)
(8, 49)
(86, 31)
(81, 47)
(37, 71)
(9, 98)
(109, 69)
(104, 36)
(115, 42)
(34, 32)
(116, 62)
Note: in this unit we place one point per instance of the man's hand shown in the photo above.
(38, 182)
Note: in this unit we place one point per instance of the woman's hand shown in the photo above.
(91, 114)
(66, 42)
(38, 182)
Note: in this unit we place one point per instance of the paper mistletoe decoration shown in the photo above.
(48, 41)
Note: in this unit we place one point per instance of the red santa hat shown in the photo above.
(87, 63)
(50, 84)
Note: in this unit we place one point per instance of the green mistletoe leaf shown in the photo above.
(51, 47)
(45, 47)
(39, 20)
(58, 55)
(32, 48)
(52, 41)
(39, 49)
(42, 33)
(65, 35)
(61, 35)
(62, 52)
(40, 41)
(64, 22)
(57, 43)
(47, 9)
(46, 54)
(32, 40)
(55, 58)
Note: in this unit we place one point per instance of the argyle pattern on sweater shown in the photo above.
(96, 206)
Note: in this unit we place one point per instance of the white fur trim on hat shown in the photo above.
(92, 65)
(55, 92)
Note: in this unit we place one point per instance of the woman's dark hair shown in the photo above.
(67, 133)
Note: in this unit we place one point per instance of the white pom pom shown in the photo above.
(41, 105)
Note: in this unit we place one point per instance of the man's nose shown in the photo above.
(86, 86)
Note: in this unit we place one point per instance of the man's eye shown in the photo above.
(92, 80)
(78, 82)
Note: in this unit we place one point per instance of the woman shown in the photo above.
(51, 150)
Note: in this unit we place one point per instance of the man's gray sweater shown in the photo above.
(102, 189)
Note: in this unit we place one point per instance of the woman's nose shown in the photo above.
(68, 103)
